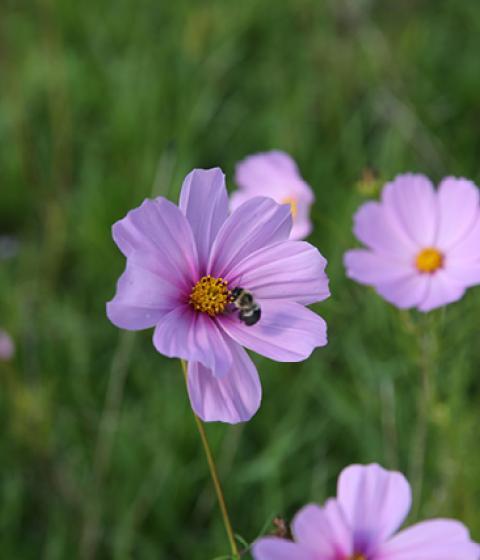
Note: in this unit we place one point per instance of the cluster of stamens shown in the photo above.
(429, 260)
(210, 295)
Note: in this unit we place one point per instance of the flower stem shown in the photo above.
(215, 478)
(425, 404)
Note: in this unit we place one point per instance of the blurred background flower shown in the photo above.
(7, 347)
(423, 245)
(363, 521)
(275, 174)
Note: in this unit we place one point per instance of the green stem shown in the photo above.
(424, 408)
(215, 478)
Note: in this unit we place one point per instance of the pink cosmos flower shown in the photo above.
(275, 174)
(423, 245)
(183, 264)
(7, 347)
(360, 523)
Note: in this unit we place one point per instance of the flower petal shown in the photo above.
(374, 268)
(158, 227)
(286, 332)
(464, 273)
(462, 261)
(233, 398)
(375, 502)
(405, 292)
(468, 248)
(458, 201)
(438, 539)
(442, 289)
(292, 270)
(142, 298)
(195, 337)
(273, 174)
(373, 227)
(7, 346)
(274, 548)
(302, 225)
(323, 530)
(239, 197)
(410, 201)
(204, 201)
(275, 160)
(259, 222)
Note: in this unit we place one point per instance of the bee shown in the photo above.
(249, 310)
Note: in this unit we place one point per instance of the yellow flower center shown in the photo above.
(210, 295)
(293, 205)
(357, 556)
(429, 260)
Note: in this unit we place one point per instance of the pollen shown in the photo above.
(357, 556)
(293, 205)
(210, 295)
(429, 260)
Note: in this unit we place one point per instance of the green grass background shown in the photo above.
(105, 103)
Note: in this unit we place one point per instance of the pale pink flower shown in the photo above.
(361, 523)
(183, 265)
(275, 174)
(423, 245)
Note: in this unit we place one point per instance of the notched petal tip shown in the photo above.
(374, 500)
(233, 398)
(200, 183)
(204, 202)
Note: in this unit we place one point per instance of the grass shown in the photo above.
(104, 104)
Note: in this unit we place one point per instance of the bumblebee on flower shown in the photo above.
(211, 283)
(212, 296)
